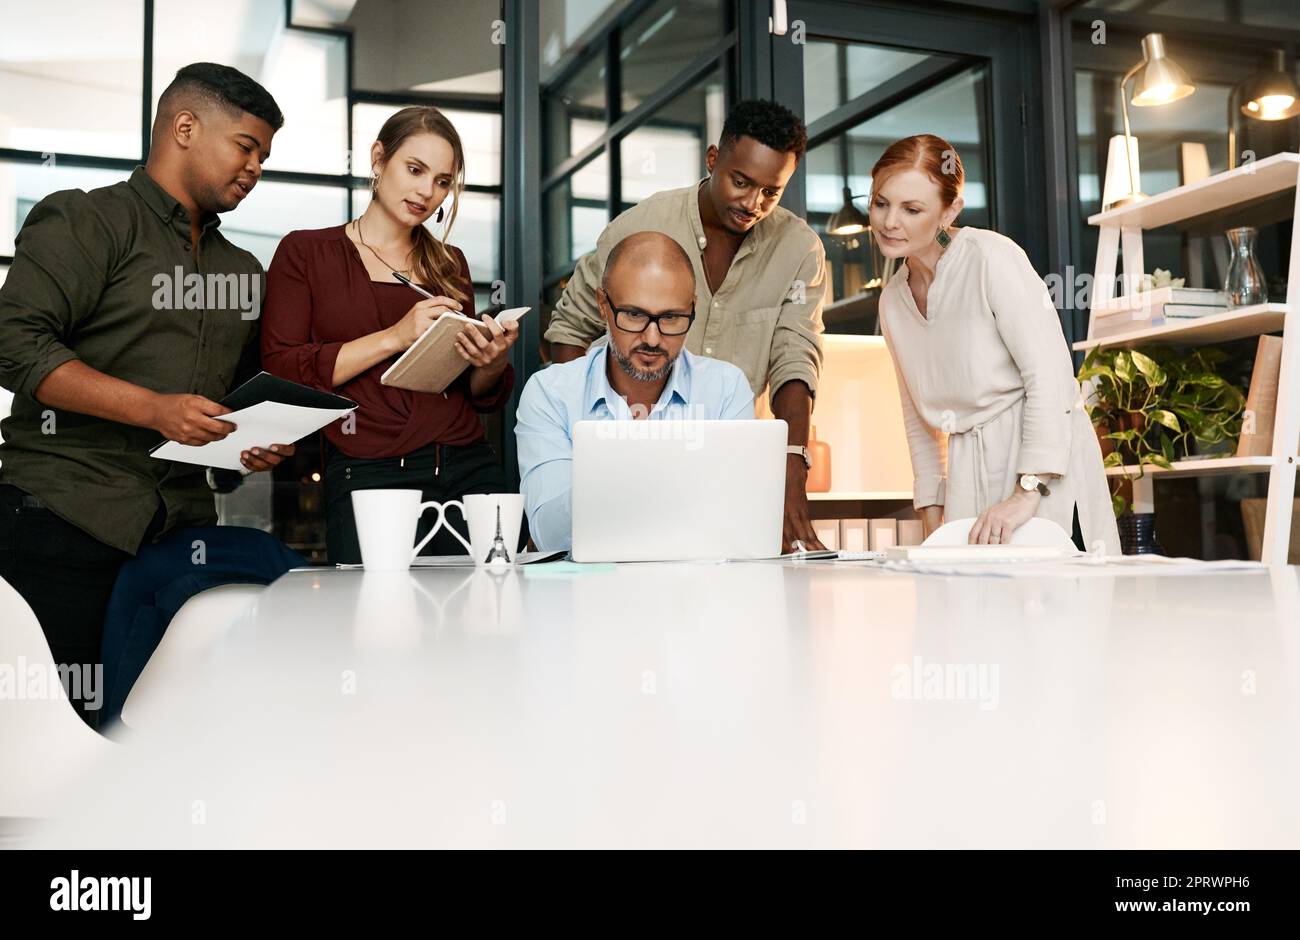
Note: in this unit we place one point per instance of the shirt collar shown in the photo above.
(598, 389)
(163, 203)
(757, 235)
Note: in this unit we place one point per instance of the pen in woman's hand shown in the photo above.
(413, 286)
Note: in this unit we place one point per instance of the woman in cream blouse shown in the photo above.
(994, 417)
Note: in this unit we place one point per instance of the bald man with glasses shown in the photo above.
(647, 297)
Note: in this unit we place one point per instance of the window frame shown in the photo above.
(462, 101)
(607, 43)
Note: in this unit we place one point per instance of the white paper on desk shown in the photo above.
(261, 425)
(442, 561)
(1084, 566)
(464, 561)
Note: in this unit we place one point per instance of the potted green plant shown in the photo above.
(1160, 404)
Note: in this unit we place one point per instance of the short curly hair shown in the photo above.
(771, 124)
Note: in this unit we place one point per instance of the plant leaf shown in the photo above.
(1149, 368)
(1167, 418)
(1124, 366)
(1093, 372)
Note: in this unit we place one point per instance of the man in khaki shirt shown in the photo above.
(758, 273)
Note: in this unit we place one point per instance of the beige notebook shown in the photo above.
(432, 363)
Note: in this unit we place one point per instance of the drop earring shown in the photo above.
(943, 238)
(437, 216)
(374, 182)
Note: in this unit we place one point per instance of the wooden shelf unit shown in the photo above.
(1216, 197)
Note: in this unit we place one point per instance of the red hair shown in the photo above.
(932, 155)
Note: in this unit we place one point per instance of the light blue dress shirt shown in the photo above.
(559, 396)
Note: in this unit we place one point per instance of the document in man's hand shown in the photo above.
(432, 363)
(267, 410)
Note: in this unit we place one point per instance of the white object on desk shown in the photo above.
(701, 507)
(386, 523)
(1036, 531)
(978, 554)
(486, 515)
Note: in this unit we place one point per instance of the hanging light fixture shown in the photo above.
(1268, 95)
(848, 219)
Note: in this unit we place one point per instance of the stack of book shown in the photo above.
(1153, 308)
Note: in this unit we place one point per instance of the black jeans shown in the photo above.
(440, 472)
(66, 576)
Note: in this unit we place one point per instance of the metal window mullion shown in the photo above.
(903, 86)
(146, 88)
(613, 111)
(583, 56)
(630, 121)
(350, 77)
(521, 262)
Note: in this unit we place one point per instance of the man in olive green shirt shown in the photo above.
(109, 350)
(758, 273)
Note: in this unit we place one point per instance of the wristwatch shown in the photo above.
(802, 452)
(1029, 483)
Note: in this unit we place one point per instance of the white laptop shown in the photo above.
(678, 490)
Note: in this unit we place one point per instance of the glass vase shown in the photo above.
(1245, 283)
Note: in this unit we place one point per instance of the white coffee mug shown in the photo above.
(386, 521)
(482, 512)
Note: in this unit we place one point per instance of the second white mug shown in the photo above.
(488, 516)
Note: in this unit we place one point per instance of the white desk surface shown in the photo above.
(738, 705)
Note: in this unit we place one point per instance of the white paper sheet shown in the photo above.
(1084, 566)
(260, 426)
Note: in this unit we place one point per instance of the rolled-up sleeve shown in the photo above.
(62, 262)
(576, 319)
(1030, 327)
(289, 348)
(545, 467)
(796, 341)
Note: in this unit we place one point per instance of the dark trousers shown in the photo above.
(440, 472)
(153, 586)
(66, 576)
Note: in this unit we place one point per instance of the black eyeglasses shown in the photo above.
(638, 321)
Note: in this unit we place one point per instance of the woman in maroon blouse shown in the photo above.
(335, 318)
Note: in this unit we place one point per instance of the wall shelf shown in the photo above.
(1194, 331)
(1228, 190)
(1220, 200)
(1204, 467)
